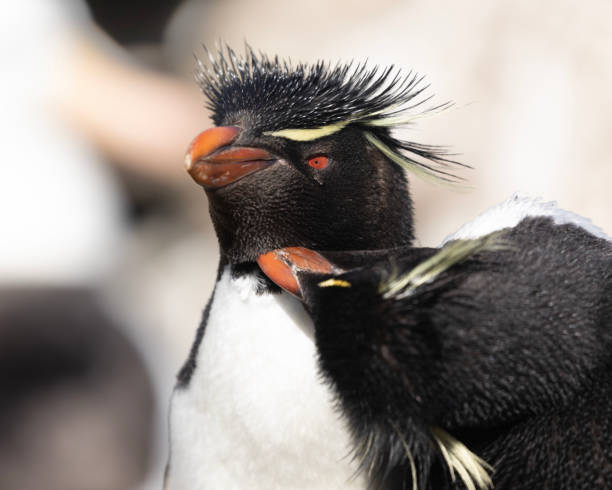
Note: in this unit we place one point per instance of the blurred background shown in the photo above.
(107, 255)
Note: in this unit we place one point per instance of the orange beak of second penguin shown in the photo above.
(283, 265)
(212, 162)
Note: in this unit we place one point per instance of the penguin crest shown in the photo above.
(305, 102)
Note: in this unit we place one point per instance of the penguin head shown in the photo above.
(303, 155)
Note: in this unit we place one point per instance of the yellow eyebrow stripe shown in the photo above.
(339, 283)
(309, 134)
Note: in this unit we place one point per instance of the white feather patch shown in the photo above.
(511, 212)
(256, 414)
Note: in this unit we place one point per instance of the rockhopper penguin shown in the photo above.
(499, 342)
(302, 156)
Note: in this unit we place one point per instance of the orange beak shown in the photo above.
(213, 163)
(282, 265)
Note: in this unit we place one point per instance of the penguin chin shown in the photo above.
(258, 247)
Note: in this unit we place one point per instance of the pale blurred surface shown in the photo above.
(92, 143)
(93, 189)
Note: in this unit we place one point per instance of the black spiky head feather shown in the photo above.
(275, 97)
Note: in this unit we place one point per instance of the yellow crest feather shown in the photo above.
(472, 470)
(338, 283)
(308, 134)
(430, 269)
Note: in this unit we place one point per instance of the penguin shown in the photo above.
(250, 409)
(304, 156)
(485, 363)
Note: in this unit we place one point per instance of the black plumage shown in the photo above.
(503, 354)
(509, 350)
(264, 95)
(280, 95)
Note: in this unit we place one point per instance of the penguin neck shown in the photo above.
(381, 217)
(251, 269)
(379, 243)
(255, 386)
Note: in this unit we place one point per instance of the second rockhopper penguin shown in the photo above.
(501, 343)
(303, 156)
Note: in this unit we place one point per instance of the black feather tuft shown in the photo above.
(280, 95)
(267, 95)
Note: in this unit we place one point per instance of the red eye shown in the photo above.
(318, 162)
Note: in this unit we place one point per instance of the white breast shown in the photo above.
(257, 414)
